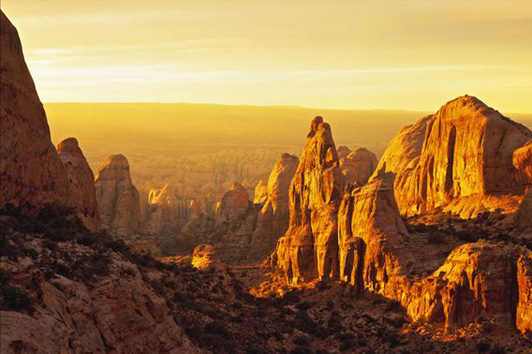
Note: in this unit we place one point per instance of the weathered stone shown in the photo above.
(358, 166)
(81, 179)
(31, 173)
(460, 159)
(118, 199)
(309, 248)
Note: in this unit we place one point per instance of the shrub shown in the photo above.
(254, 350)
(217, 327)
(301, 350)
(498, 350)
(16, 299)
(304, 305)
(52, 246)
(302, 341)
(5, 276)
(436, 238)
(483, 347)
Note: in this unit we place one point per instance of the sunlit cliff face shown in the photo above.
(350, 54)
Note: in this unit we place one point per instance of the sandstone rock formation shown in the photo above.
(309, 248)
(81, 179)
(31, 173)
(436, 164)
(524, 285)
(204, 256)
(118, 199)
(358, 166)
(234, 224)
(235, 203)
(244, 232)
(116, 312)
(164, 212)
(522, 160)
(194, 210)
(343, 151)
(261, 193)
(477, 279)
(273, 217)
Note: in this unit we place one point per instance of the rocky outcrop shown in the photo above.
(164, 211)
(436, 164)
(81, 179)
(204, 256)
(31, 173)
(476, 279)
(524, 214)
(309, 249)
(522, 160)
(273, 217)
(118, 199)
(358, 166)
(343, 151)
(245, 232)
(261, 193)
(370, 226)
(115, 312)
(524, 306)
(194, 210)
(234, 224)
(235, 203)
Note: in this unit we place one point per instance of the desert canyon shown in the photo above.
(419, 241)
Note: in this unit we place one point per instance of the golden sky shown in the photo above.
(405, 54)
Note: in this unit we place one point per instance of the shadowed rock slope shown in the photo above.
(31, 173)
(81, 181)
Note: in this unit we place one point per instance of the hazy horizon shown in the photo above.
(364, 55)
